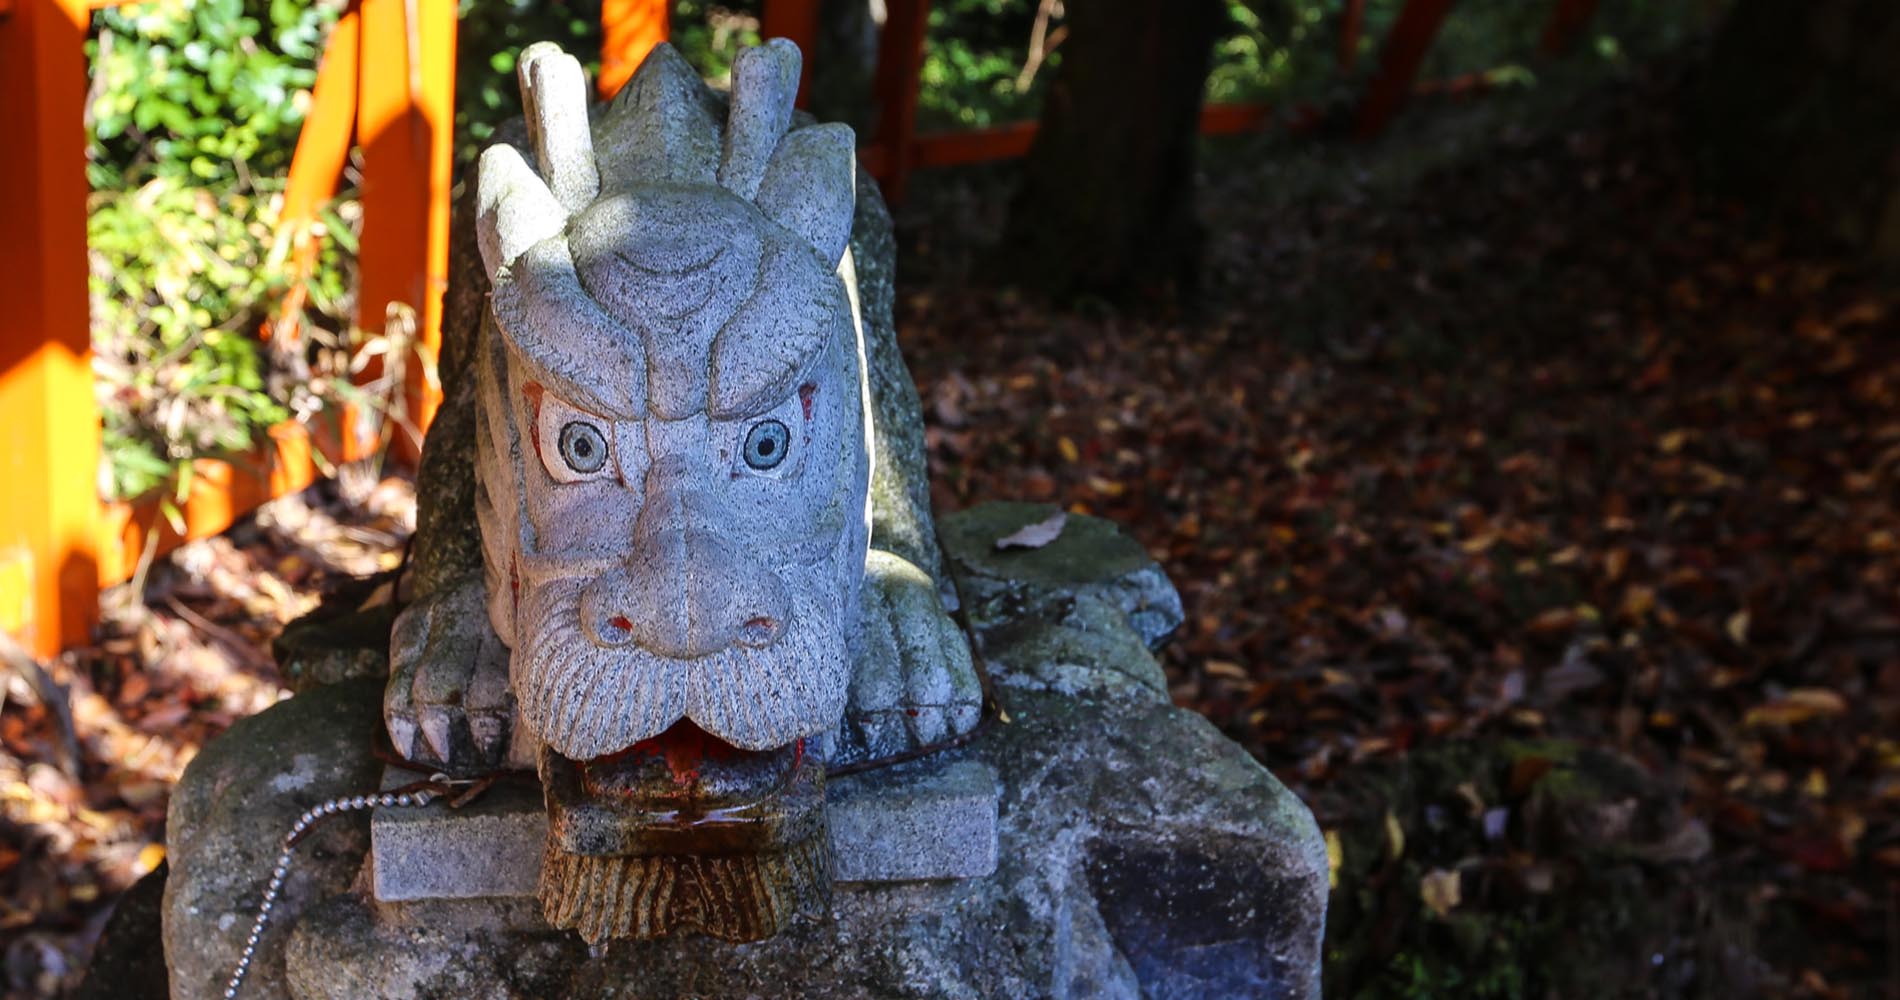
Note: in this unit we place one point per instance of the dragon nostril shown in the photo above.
(760, 631)
(610, 631)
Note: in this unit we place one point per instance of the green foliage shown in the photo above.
(196, 109)
(490, 38)
(172, 268)
(210, 91)
(493, 33)
(1278, 51)
(974, 57)
(710, 36)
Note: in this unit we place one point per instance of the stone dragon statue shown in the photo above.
(706, 566)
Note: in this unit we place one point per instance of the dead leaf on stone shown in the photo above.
(1035, 536)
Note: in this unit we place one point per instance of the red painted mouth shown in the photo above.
(688, 769)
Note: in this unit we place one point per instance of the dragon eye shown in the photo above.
(766, 444)
(583, 448)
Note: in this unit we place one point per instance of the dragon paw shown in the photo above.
(913, 682)
(448, 703)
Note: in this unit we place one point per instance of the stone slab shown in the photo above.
(925, 820)
(491, 847)
(918, 821)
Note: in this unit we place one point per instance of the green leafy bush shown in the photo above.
(490, 37)
(194, 118)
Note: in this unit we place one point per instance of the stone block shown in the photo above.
(929, 819)
(923, 820)
(491, 847)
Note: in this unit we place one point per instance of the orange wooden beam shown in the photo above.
(221, 492)
(949, 149)
(796, 20)
(323, 146)
(1565, 24)
(629, 30)
(1229, 119)
(405, 124)
(1399, 61)
(49, 428)
(1006, 142)
(900, 60)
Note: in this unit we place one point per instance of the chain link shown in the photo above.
(416, 795)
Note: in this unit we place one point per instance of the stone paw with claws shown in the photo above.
(448, 704)
(914, 684)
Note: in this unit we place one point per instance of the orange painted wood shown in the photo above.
(405, 121)
(629, 30)
(221, 492)
(1352, 22)
(948, 149)
(1229, 119)
(1005, 142)
(49, 428)
(900, 60)
(796, 20)
(1566, 22)
(1399, 61)
(323, 143)
(323, 146)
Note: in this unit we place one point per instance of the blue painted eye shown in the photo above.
(583, 448)
(766, 444)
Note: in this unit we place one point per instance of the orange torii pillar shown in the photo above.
(49, 427)
(796, 20)
(1567, 21)
(900, 60)
(1399, 61)
(1352, 20)
(629, 30)
(405, 125)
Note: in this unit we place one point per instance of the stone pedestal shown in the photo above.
(1137, 851)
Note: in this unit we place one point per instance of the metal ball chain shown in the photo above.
(310, 818)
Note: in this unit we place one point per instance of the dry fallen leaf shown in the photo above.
(1034, 536)
(1797, 706)
(1439, 890)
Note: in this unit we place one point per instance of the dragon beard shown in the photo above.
(586, 701)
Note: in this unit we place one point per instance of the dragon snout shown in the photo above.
(689, 596)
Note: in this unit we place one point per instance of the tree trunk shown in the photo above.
(1800, 112)
(844, 63)
(1107, 200)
